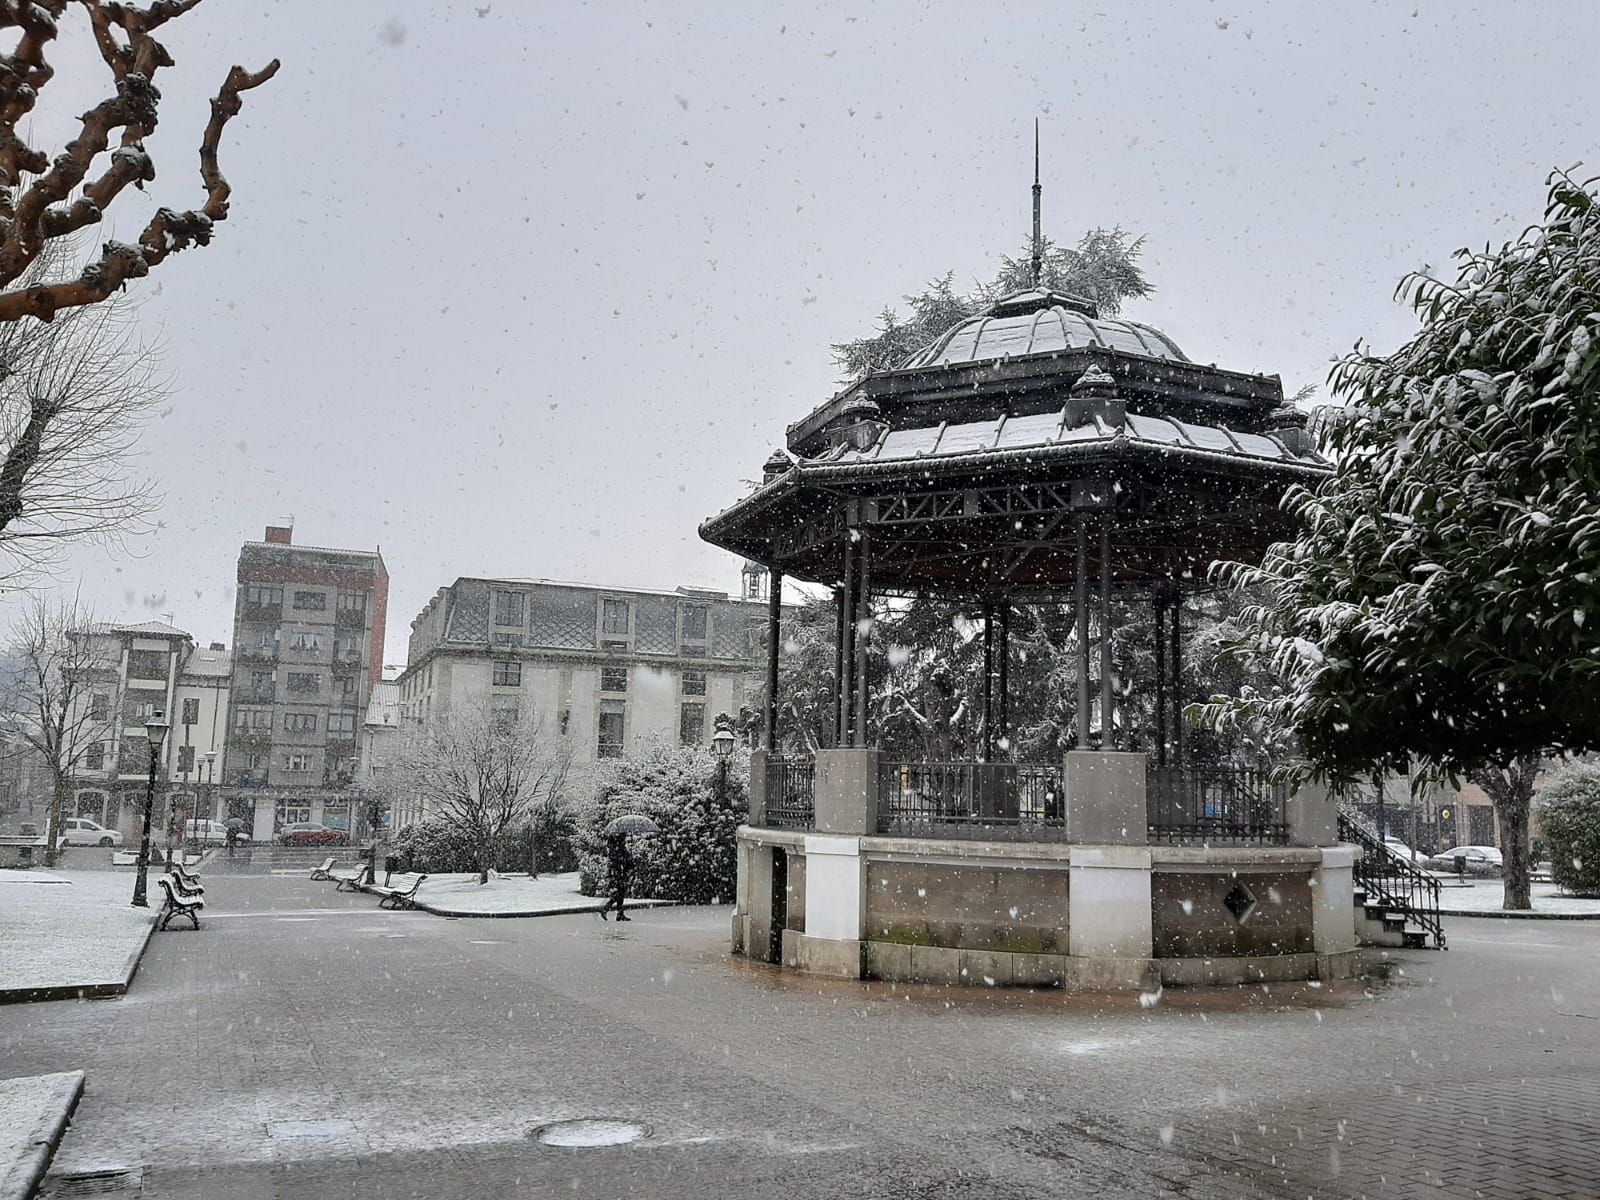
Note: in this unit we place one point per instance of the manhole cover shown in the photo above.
(124, 1181)
(589, 1131)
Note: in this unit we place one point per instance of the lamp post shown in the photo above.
(722, 742)
(155, 730)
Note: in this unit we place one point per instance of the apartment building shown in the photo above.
(139, 670)
(614, 670)
(308, 649)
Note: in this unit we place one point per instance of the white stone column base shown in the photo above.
(1108, 903)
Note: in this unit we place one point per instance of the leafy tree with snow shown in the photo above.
(1569, 817)
(1103, 267)
(681, 789)
(1441, 603)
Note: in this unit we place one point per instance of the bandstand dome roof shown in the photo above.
(1037, 321)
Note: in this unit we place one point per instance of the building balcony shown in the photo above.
(259, 654)
(270, 614)
(348, 619)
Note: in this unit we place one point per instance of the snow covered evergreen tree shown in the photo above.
(1442, 603)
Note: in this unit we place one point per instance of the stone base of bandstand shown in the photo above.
(1116, 914)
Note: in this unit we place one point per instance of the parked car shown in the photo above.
(81, 831)
(1481, 860)
(309, 833)
(1401, 850)
(209, 833)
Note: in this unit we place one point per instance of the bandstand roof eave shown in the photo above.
(933, 384)
(724, 529)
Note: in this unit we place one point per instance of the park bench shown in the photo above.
(323, 869)
(352, 881)
(188, 882)
(177, 904)
(395, 898)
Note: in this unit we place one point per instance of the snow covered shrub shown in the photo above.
(433, 846)
(694, 859)
(1569, 815)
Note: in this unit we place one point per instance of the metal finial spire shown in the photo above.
(1038, 242)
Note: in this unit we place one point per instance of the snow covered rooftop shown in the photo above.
(1038, 322)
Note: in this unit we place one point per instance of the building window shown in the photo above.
(564, 720)
(508, 608)
(296, 761)
(147, 664)
(263, 593)
(100, 707)
(309, 641)
(191, 712)
(352, 602)
(292, 812)
(344, 685)
(341, 724)
(300, 722)
(692, 724)
(304, 682)
(612, 717)
(261, 682)
(94, 758)
(347, 649)
(613, 679)
(311, 601)
(696, 619)
(136, 711)
(255, 760)
(507, 674)
(185, 759)
(248, 719)
(504, 711)
(694, 683)
(613, 618)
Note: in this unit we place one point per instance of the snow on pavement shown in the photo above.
(1489, 895)
(33, 1110)
(69, 929)
(504, 895)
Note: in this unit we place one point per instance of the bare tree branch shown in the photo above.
(32, 214)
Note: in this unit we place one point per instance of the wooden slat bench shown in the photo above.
(177, 904)
(352, 881)
(324, 869)
(395, 898)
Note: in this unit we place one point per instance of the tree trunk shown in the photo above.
(1512, 792)
(58, 796)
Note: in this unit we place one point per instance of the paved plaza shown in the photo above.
(304, 1044)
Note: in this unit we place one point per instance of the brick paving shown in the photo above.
(305, 1044)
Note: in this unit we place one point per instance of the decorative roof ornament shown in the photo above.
(1038, 238)
(1094, 396)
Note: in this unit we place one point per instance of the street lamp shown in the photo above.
(722, 743)
(155, 730)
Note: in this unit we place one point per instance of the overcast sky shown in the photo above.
(529, 289)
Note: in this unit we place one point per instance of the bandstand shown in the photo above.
(1037, 453)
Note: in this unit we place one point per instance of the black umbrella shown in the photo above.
(632, 823)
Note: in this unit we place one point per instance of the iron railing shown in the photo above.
(997, 801)
(1389, 880)
(1215, 806)
(791, 797)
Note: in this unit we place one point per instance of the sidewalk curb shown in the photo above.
(543, 912)
(1500, 914)
(37, 1162)
(85, 991)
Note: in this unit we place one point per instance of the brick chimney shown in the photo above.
(280, 534)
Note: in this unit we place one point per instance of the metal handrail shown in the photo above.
(1389, 879)
(1002, 801)
(1216, 805)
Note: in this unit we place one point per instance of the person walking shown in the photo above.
(619, 862)
(235, 828)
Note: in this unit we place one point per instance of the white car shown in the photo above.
(209, 832)
(1480, 859)
(1400, 850)
(81, 831)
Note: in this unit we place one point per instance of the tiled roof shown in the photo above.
(210, 663)
(147, 628)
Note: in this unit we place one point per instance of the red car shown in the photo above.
(311, 834)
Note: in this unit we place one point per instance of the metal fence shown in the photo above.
(997, 801)
(791, 796)
(1215, 805)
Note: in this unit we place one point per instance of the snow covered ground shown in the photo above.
(33, 1111)
(505, 895)
(1488, 895)
(70, 929)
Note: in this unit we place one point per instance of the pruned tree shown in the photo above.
(75, 395)
(1441, 606)
(45, 197)
(484, 773)
(48, 695)
(1103, 267)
